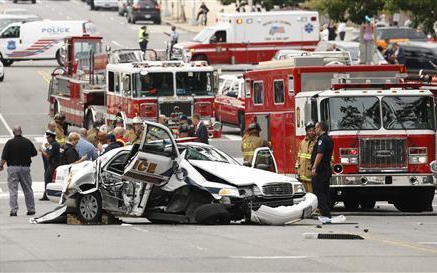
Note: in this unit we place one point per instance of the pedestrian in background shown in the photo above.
(70, 154)
(59, 130)
(332, 32)
(303, 162)
(321, 168)
(102, 141)
(112, 143)
(86, 150)
(119, 135)
(342, 30)
(174, 38)
(200, 130)
(251, 141)
(17, 154)
(203, 10)
(143, 39)
(51, 126)
(52, 154)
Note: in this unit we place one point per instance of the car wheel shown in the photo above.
(15, 1)
(212, 214)
(367, 204)
(89, 208)
(6, 62)
(33, 1)
(1, 78)
(157, 22)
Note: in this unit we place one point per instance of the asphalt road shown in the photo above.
(393, 241)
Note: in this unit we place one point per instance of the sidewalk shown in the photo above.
(213, 6)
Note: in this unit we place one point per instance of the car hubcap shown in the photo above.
(88, 207)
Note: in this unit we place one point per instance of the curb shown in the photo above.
(180, 26)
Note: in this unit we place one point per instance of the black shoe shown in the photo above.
(45, 198)
(30, 213)
(13, 214)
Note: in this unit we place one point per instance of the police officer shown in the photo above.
(321, 168)
(303, 162)
(252, 141)
(143, 39)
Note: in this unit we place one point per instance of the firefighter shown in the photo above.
(303, 162)
(59, 130)
(135, 134)
(321, 168)
(251, 141)
(143, 39)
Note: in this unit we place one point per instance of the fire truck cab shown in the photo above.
(171, 88)
(383, 130)
(252, 37)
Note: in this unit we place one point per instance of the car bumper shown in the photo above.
(382, 180)
(284, 214)
(54, 192)
(146, 15)
(105, 5)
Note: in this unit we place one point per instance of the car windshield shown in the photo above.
(351, 113)
(206, 153)
(194, 83)
(153, 84)
(408, 112)
(204, 35)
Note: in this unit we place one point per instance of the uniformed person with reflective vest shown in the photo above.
(251, 141)
(143, 39)
(321, 168)
(303, 162)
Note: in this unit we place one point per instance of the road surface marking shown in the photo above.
(427, 243)
(44, 75)
(6, 125)
(118, 44)
(269, 257)
(140, 229)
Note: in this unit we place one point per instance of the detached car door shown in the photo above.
(263, 159)
(157, 158)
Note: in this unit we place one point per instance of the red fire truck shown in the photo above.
(245, 38)
(383, 132)
(88, 89)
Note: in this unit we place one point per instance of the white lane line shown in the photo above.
(268, 257)
(6, 125)
(140, 229)
(118, 44)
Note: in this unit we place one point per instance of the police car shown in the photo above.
(2, 72)
(39, 40)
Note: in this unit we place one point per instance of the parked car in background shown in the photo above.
(16, 1)
(229, 102)
(398, 34)
(2, 72)
(352, 47)
(420, 56)
(122, 7)
(143, 10)
(104, 4)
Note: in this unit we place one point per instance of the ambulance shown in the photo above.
(248, 38)
(39, 40)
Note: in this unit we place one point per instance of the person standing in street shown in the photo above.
(252, 141)
(51, 126)
(303, 162)
(200, 130)
(143, 39)
(17, 154)
(342, 30)
(203, 10)
(321, 168)
(174, 37)
(52, 154)
(332, 32)
(70, 154)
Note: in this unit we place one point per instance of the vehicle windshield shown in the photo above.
(82, 49)
(351, 113)
(153, 84)
(207, 154)
(204, 35)
(5, 22)
(408, 113)
(194, 83)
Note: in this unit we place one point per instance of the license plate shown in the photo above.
(147, 16)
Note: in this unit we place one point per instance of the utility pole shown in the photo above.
(193, 13)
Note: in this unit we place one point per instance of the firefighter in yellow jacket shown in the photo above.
(252, 141)
(303, 161)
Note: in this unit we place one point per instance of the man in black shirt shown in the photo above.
(200, 130)
(52, 153)
(17, 154)
(321, 168)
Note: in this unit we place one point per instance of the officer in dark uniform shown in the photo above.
(321, 168)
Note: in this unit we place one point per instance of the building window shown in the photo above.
(278, 86)
(258, 92)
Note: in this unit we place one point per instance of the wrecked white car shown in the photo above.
(167, 182)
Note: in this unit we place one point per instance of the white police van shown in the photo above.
(40, 40)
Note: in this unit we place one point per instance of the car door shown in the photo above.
(263, 159)
(157, 157)
(114, 169)
(10, 42)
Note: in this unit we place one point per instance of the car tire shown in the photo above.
(2, 78)
(367, 204)
(33, 1)
(15, 1)
(6, 62)
(351, 202)
(212, 214)
(89, 208)
(157, 22)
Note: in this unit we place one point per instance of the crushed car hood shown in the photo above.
(240, 175)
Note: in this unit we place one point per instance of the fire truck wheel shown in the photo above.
(59, 58)
(367, 204)
(351, 203)
(416, 201)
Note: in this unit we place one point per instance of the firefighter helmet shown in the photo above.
(254, 126)
(137, 120)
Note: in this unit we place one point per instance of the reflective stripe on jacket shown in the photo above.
(303, 160)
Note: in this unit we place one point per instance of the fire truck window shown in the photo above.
(82, 50)
(258, 93)
(153, 84)
(117, 83)
(11, 32)
(111, 81)
(194, 83)
(279, 91)
(353, 113)
(290, 86)
(399, 113)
